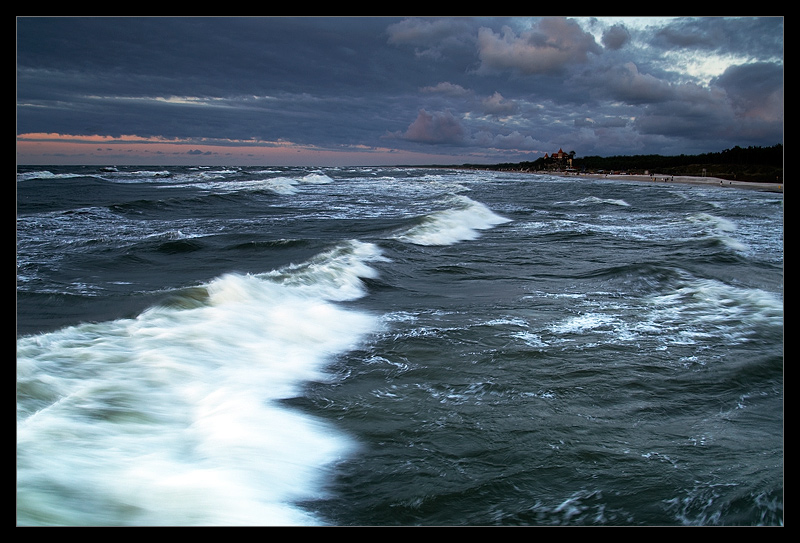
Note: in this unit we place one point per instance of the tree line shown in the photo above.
(764, 164)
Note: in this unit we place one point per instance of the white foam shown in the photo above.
(44, 174)
(459, 223)
(592, 200)
(717, 223)
(721, 229)
(172, 418)
(585, 322)
(281, 185)
(713, 307)
(284, 185)
(317, 179)
(333, 275)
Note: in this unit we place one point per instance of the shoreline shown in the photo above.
(682, 179)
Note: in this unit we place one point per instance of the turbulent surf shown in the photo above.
(395, 347)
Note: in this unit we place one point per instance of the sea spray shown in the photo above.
(461, 222)
(173, 417)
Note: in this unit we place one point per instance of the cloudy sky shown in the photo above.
(415, 90)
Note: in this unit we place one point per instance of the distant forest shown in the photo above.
(758, 164)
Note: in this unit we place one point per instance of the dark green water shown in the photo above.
(395, 347)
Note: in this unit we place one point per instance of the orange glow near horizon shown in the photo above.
(55, 149)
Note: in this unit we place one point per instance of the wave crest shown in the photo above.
(447, 227)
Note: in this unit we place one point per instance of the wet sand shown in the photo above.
(686, 179)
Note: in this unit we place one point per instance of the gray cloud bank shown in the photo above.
(496, 89)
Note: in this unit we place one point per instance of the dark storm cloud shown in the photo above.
(754, 89)
(551, 46)
(616, 37)
(274, 69)
(757, 37)
(435, 128)
(503, 88)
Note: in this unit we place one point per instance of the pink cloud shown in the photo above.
(551, 45)
(135, 150)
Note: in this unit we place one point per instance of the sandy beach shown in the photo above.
(690, 180)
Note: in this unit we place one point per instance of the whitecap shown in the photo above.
(460, 223)
(175, 417)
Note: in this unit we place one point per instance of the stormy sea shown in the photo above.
(201, 346)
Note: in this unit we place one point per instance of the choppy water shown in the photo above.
(260, 346)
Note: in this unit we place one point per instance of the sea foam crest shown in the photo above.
(174, 417)
(592, 200)
(280, 185)
(459, 223)
(289, 185)
(333, 275)
(285, 185)
(713, 304)
(719, 228)
(317, 179)
(44, 174)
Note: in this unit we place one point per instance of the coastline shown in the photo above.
(683, 179)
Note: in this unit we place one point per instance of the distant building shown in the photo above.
(559, 159)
